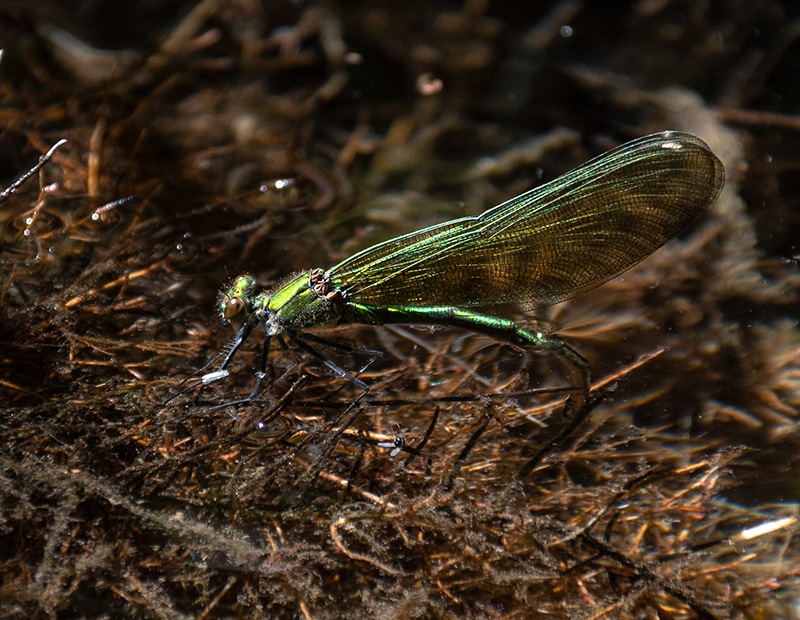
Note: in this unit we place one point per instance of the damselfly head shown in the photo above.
(235, 302)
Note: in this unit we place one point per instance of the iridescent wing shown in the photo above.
(550, 243)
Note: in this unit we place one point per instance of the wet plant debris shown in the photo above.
(149, 152)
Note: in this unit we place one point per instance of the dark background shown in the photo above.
(273, 137)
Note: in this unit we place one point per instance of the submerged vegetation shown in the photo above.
(206, 139)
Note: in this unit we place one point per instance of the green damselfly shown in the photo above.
(542, 247)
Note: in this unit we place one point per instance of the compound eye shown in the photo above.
(233, 308)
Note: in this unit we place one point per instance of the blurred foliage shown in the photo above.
(207, 138)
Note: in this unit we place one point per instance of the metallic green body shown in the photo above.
(296, 306)
(539, 248)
